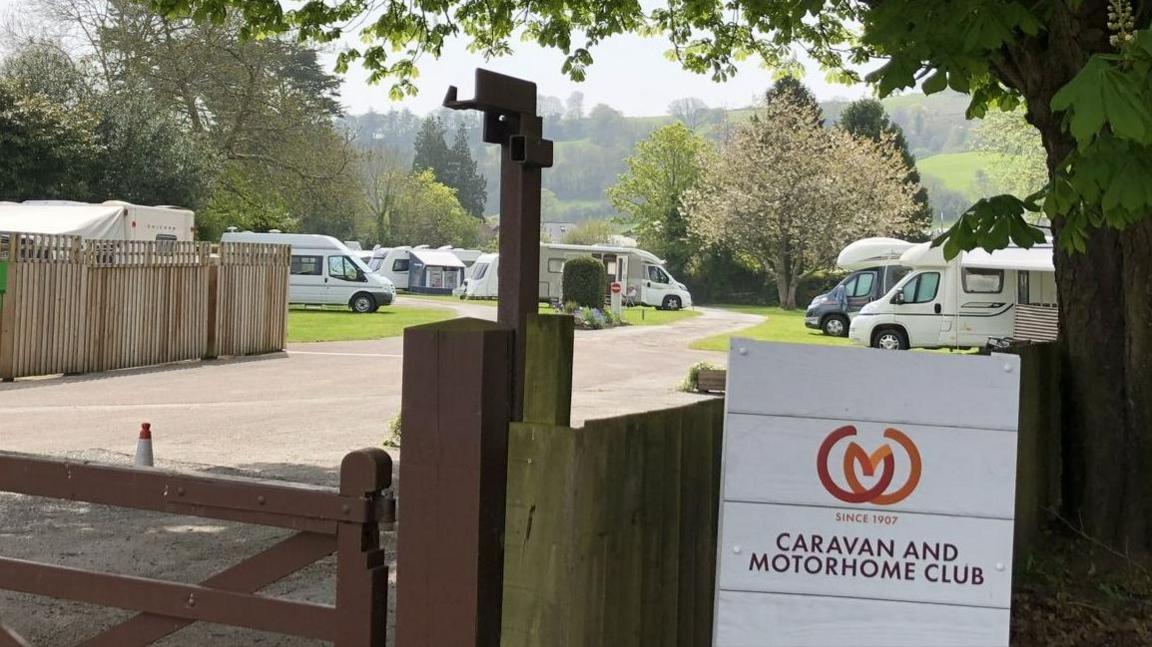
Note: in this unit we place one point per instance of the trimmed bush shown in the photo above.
(584, 282)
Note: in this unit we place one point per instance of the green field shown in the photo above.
(959, 171)
(644, 316)
(446, 299)
(778, 325)
(314, 324)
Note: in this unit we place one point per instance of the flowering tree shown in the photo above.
(791, 194)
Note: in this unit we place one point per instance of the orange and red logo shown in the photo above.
(880, 464)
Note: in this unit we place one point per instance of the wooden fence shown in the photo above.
(345, 522)
(251, 299)
(610, 535)
(70, 305)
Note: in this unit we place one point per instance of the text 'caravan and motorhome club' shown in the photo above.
(642, 276)
(977, 299)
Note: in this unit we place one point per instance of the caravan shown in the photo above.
(111, 220)
(971, 301)
(875, 265)
(325, 271)
(420, 269)
(641, 275)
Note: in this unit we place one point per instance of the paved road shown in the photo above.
(290, 416)
(312, 404)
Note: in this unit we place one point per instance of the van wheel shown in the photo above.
(363, 304)
(835, 326)
(671, 303)
(890, 339)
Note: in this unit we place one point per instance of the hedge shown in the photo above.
(584, 282)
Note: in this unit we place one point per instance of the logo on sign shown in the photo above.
(880, 464)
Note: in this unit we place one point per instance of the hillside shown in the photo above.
(965, 173)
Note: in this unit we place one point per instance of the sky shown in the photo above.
(630, 73)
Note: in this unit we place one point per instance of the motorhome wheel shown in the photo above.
(890, 339)
(835, 326)
(672, 303)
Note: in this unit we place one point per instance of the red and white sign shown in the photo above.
(616, 287)
(868, 497)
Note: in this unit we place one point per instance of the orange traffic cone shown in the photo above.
(144, 446)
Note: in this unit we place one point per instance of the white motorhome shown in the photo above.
(111, 220)
(966, 302)
(642, 276)
(324, 271)
(875, 268)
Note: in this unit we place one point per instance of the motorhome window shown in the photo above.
(861, 286)
(307, 265)
(342, 267)
(556, 265)
(657, 275)
(982, 281)
(480, 271)
(375, 263)
(922, 288)
(400, 265)
(895, 273)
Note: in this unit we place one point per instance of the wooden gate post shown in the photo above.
(455, 410)
(362, 567)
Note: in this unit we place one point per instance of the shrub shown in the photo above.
(584, 282)
(693, 379)
(393, 439)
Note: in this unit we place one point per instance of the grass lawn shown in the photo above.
(779, 325)
(313, 324)
(446, 299)
(645, 316)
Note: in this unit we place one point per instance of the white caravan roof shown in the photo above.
(1036, 259)
(872, 252)
(606, 249)
(302, 241)
(437, 257)
(88, 221)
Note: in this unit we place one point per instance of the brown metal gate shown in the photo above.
(345, 522)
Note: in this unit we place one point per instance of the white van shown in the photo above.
(324, 271)
(966, 302)
(642, 276)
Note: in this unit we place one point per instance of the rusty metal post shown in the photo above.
(509, 107)
(455, 412)
(362, 567)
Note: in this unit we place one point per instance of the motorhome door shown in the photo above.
(920, 312)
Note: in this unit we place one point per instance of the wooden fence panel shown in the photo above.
(611, 530)
(252, 298)
(75, 306)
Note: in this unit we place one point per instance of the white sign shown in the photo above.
(867, 497)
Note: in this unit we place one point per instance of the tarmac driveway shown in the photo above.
(290, 416)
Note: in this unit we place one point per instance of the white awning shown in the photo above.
(437, 257)
(89, 221)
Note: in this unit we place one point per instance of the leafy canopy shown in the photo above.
(997, 51)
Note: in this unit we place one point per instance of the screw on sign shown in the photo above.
(616, 287)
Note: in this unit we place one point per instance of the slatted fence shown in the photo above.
(251, 300)
(70, 305)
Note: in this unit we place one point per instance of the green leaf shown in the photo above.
(936, 83)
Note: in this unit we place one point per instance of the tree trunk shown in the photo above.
(1105, 297)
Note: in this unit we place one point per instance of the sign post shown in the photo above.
(867, 498)
(616, 298)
